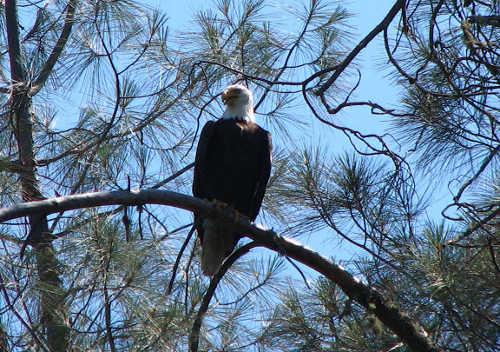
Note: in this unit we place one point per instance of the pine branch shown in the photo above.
(398, 5)
(408, 330)
(57, 50)
(194, 336)
(52, 304)
(16, 68)
(11, 166)
(486, 20)
(178, 260)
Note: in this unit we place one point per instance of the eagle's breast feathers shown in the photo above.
(232, 165)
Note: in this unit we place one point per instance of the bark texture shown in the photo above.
(408, 330)
(53, 312)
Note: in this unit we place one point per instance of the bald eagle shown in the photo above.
(232, 166)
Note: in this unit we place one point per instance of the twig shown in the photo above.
(57, 50)
(194, 336)
(398, 5)
(178, 260)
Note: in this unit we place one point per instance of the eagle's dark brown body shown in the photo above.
(233, 164)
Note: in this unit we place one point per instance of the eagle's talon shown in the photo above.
(237, 216)
(221, 172)
(219, 205)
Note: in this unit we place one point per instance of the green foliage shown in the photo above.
(122, 109)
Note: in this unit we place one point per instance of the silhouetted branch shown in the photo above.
(409, 331)
(486, 20)
(194, 336)
(27, 325)
(178, 260)
(398, 5)
(57, 50)
(16, 68)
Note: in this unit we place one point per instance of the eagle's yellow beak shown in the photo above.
(229, 95)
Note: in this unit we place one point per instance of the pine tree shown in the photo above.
(103, 104)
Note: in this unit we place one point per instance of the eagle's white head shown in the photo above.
(239, 103)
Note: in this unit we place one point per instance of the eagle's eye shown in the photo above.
(231, 94)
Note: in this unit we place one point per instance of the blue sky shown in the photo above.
(366, 14)
(375, 86)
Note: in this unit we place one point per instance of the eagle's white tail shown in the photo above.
(217, 242)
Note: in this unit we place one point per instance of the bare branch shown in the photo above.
(57, 50)
(178, 260)
(486, 20)
(361, 45)
(194, 336)
(16, 67)
(409, 331)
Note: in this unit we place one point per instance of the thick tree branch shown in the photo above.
(409, 331)
(53, 312)
(57, 50)
(16, 67)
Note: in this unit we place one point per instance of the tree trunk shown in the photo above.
(53, 311)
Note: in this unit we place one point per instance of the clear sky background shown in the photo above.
(375, 84)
